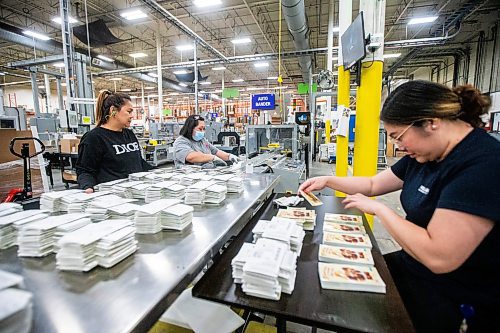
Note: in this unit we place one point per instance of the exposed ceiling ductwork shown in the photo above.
(296, 20)
(14, 35)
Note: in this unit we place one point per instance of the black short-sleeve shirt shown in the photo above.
(467, 180)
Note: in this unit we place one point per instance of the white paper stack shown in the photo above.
(350, 277)
(280, 229)
(7, 208)
(116, 246)
(175, 191)
(147, 218)
(9, 280)
(345, 255)
(303, 217)
(108, 186)
(347, 240)
(215, 194)
(78, 248)
(343, 228)
(36, 239)
(16, 311)
(77, 203)
(52, 200)
(138, 191)
(121, 188)
(159, 190)
(138, 175)
(195, 194)
(176, 217)
(239, 261)
(222, 179)
(64, 229)
(159, 177)
(343, 218)
(192, 178)
(97, 209)
(123, 211)
(235, 185)
(8, 230)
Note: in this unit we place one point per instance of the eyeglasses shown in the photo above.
(397, 140)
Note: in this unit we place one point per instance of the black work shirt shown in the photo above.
(105, 155)
(467, 180)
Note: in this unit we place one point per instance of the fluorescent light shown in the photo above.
(126, 89)
(63, 84)
(238, 80)
(41, 87)
(153, 74)
(336, 29)
(133, 97)
(392, 55)
(182, 84)
(218, 90)
(102, 57)
(58, 20)
(421, 20)
(206, 3)
(245, 40)
(115, 79)
(272, 78)
(261, 64)
(35, 35)
(174, 94)
(256, 88)
(185, 47)
(180, 72)
(219, 68)
(138, 55)
(205, 83)
(282, 87)
(149, 88)
(133, 15)
(58, 64)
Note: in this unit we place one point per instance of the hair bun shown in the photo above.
(473, 104)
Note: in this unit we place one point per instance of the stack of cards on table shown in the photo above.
(265, 269)
(108, 186)
(195, 194)
(77, 203)
(176, 217)
(138, 191)
(346, 262)
(36, 239)
(52, 200)
(67, 228)
(122, 189)
(82, 250)
(16, 305)
(280, 229)
(215, 194)
(138, 175)
(160, 190)
(222, 179)
(147, 218)
(97, 209)
(7, 208)
(235, 185)
(9, 224)
(303, 217)
(190, 179)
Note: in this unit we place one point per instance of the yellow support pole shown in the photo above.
(343, 99)
(328, 123)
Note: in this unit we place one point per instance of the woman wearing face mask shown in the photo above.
(191, 147)
(110, 151)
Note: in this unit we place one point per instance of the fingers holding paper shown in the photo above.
(313, 184)
(361, 202)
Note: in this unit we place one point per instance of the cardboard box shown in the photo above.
(69, 146)
(6, 135)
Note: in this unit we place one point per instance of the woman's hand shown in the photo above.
(362, 202)
(314, 184)
(89, 190)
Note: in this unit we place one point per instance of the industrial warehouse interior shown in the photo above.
(249, 165)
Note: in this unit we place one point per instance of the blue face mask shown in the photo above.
(198, 136)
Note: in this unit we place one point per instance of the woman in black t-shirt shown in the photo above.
(110, 151)
(450, 182)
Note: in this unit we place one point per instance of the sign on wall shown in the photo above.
(263, 102)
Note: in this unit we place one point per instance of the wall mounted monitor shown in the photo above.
(353, 42)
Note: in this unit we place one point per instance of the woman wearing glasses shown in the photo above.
(450, 182)
(191, 147)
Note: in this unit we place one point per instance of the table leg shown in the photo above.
(280, 325)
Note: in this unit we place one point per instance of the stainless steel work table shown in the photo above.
(132, 295)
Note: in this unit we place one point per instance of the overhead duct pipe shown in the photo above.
(14, 35)
(295, 16)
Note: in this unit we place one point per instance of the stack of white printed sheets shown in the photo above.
(52, 200)
(195, 194)
(303, 217)
(176, 217)
(79, 249)
(215, 194)
(123, 211)
(77, 203)
(97, 209)
(138, 191)
(7, 208)
(36, 239)
(222, 179)
(160, 190)
(16, 306)
(281, 229)
(8, 226)
(108, 186)
(147, 218)
(235, 185)
(138, 175)
(64, 229)
(121, 189)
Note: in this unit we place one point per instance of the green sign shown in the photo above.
(167, 112)
(303, 88)
(230, 93)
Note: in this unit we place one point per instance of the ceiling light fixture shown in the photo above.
(185, 47)
(205, 83)
(245, 40)
(133, 15)
(182, 84)
(206, 3)
(138, 55)
(238, 80)
(180, 72)
(422, 20)
(149, 88)
(115, 79)
(272, 78)
(126, 89)
(103, 57)
(58, 64)
(392, 55)
(58, 20)
(261, 64)
(36, 35)
(336, 29)
(219, 68)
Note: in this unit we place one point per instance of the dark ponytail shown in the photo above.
(417, 100)
(105, 101)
